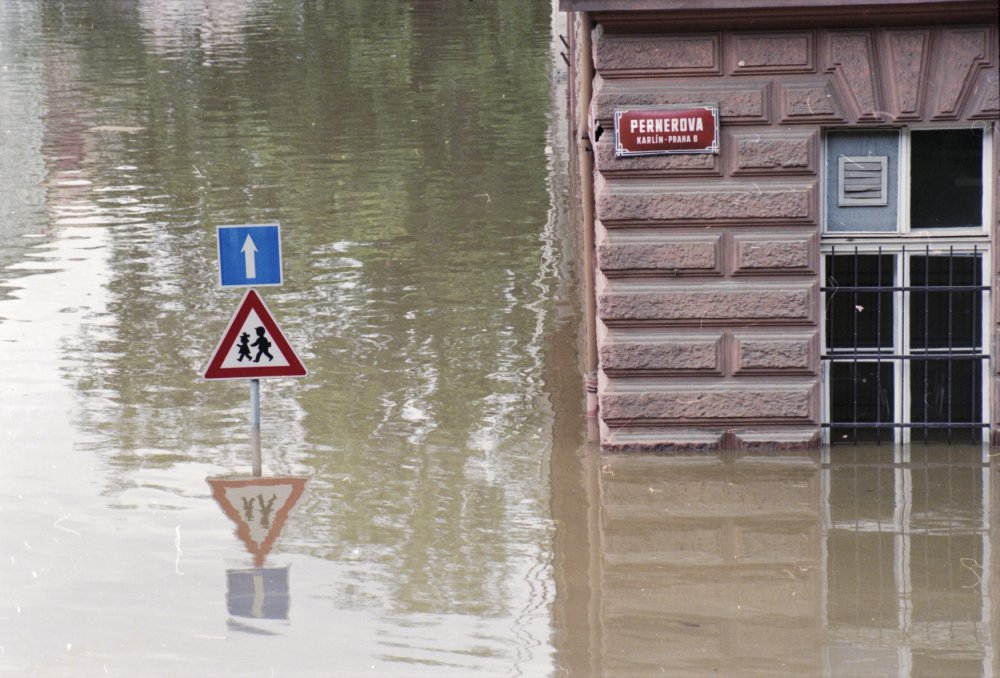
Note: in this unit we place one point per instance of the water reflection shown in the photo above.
(258, 593)
(855, 562)
(259, 507)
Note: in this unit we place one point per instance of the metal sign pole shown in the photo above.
(255, 426)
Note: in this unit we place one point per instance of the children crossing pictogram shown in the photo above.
(268, 355)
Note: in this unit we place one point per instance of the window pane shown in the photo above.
(946, 178)
(861, 393)
(946, 319)
(946, 392)
(859, 318)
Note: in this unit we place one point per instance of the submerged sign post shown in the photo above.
(253, 346)
(658, 130)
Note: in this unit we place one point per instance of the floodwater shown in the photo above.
(456, 521)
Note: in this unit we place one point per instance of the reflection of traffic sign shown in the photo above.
(258, 593)
(249, 255)
(258, 506)
(253, 346)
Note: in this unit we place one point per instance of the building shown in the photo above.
(822, 270)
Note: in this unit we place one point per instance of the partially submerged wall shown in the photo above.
(708, 266)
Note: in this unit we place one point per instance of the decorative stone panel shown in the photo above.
(752, 152)
(667, 254)
(776, 52)
(906, 70)
(764, 354)
(687, 203)
(962, 52)
(663, 354)
(769, 253)
(705, 305)
(812, 102)
(774, 440)
(984, 102)
(743, 101)
(851, 60)
(691, 54)
(687, 405)
(663, 439)
(653, 166)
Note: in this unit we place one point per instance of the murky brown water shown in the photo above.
(850, 562)
(456, 522)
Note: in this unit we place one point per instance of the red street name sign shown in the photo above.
(660, 130)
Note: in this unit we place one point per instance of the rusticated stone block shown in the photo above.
(662, 440)
(907, 65)
(984, 103)
(960, 52)
(851, 59)
(636, 166)
(768, 154)
(788, 354)
(675, 255)
(784, 439)
(809, 103)
(741, 102)
(665, 354)
(648, 202)
(788, 403)
(710, 304)
(768, 254)
(676, 55)
(771, 53)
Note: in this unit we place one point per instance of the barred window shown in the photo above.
(906, 288)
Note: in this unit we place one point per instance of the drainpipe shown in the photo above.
(585, 157)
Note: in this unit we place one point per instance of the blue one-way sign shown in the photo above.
(249, 256)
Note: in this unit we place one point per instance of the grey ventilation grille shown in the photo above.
(863, 180)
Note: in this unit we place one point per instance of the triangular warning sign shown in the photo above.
(258, 506)
(253, 347)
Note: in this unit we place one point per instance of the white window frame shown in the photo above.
(940, 241)
(901, 369)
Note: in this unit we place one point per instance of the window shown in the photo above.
(905, 284)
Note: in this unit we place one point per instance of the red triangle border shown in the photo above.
(252, 302)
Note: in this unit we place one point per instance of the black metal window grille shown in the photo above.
(904, 346)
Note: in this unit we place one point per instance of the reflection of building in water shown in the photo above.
(909, 563)
(994, 544)
(702, 567)
(174, 26)
(877, 563)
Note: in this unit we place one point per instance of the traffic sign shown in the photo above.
(253, 347)
(258, 506)
(249, 255)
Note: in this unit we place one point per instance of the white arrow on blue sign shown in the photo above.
(249, 256)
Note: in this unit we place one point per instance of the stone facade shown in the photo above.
(708, 308)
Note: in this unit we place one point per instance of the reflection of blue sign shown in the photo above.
(249, 256)
(259, 593)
